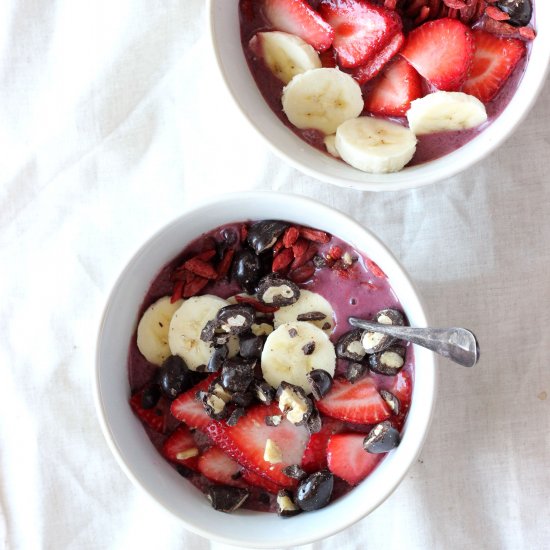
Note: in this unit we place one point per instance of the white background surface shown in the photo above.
(112, 119)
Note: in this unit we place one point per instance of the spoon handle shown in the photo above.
(457, 344)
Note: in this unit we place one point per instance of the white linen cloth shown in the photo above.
(112, 119)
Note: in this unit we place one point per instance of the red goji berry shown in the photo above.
(282, 260)
(200, 268)
(290, 236)
(256, 304)
(302, 274)
(194, 287)
(207, 255)
(314, 235)
(225, 263)
(375, 270)
(177, 293)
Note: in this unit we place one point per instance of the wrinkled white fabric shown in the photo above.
(112, 119)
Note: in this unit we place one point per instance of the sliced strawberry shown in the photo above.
(361, 29)
(494, 60)
(393, 90)
(217, 466)
(259, 481)
(348, 460)
(297, 17)
(315, 455)
(182, 448)
(245, 442)
(401, 386)
(154, 418)
(367, 72)
(186, 408)
(360, 402)
(441, 51)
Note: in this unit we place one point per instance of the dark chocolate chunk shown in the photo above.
(295, 472)
(388, 362)
(275, 291)
(184, 471)
(263, 391)
(355, 371)
(374, 342)
(246, 269)
(263, 235)
(294, 403)
(314, 422)
(242, 399)
(208, 331)
(273, 420)
(382, 438)
(519, 11)
(320, 381)
(285, 505)
(235, 415)
(319, 262)
(174, 377)
(219, 355)
(215, 400)
(251, 346)
(264, 498)
(315, 491)
(229, 236)
(393, 402)
(226, 499)
(236, 318)
(349, 346)
(308, 348)
(311, 316)
(237, 374)
(150, 396)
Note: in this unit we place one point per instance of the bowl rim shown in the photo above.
(354, 515)
(475, 150)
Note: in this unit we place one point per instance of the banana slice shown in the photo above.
(184, 335)
(444, 112)
(375, 145)
(152, 331)
(330, 144)
(285, 55)
(308, 304)
(293, 350)
(322, 99)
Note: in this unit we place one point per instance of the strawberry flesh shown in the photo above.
(359, 402)
(494, 61)
(217, 466)
(246, 441)
(367, 72)
(180, 442)
(315, 455)
(442, 52)
(361, 29)
(392, 91)
(187, 408)
(348, 460)
(154, 417)
(297, 17)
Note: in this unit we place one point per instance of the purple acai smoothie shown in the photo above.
(242, 439)
(492, 74)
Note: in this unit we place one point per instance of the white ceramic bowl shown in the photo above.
(225, 35)
(127, 438)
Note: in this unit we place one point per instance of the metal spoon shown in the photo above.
(457, 344)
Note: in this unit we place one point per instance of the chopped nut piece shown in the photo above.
(272, 453)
